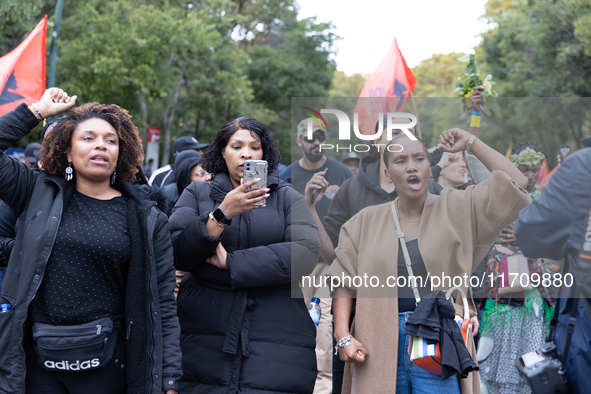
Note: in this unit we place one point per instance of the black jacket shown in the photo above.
(241, 330)
(153, 353)
(8, 228)
(183, 166)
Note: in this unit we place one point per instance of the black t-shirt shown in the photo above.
(406, 298)
(298, 177)
(87, 269)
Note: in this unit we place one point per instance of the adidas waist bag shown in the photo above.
(77, 348)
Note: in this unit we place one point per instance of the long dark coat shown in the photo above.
(241, 330)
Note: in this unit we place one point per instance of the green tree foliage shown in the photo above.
(18, 18)
(344, 86)
(540, 48)
(437, 76)
(188, 66)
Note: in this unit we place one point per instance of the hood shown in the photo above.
(369, 173)
(183, 172)
(143, 194)
(182, 157)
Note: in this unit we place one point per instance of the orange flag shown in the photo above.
(388, 88)
(545, 175)
(22, 71)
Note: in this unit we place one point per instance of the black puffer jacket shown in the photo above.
(153, 353)
(241, 330)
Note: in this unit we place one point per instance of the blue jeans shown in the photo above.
(411, 378)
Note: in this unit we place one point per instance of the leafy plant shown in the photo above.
(471, 80)
(527, 157)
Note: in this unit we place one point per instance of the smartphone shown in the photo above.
(256, 169)
(564, 150)
(316, 191)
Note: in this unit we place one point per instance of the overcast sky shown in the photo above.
(421, 27)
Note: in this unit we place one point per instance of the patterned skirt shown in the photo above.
(506, 333)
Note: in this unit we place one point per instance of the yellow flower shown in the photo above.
(487, 86)
(468, 94)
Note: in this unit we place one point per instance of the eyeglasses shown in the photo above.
(201, 174)
(319, 137)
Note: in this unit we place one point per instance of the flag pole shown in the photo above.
(54, 38)
(414, 105)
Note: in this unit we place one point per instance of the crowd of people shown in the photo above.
(187, 279)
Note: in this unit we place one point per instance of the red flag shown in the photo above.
(22, 71)
(392, 78)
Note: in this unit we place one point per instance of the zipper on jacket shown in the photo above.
(33, 218)
(60, 200)
(98, 329)
(128, 330)
(152, 258)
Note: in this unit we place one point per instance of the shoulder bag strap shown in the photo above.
(415, 290)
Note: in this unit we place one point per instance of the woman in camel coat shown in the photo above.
(453, 232)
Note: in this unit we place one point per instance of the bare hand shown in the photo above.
(477, 99)
(475, 325)
(454, 140)
(354, 353)
(218, 259)
(53, 102)
(509, 234)
(316, 183)
(447, 160)
(170, 392)
(239, 200)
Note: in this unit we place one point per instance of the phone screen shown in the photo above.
(564, 150)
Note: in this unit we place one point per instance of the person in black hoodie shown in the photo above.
(91, 263)
(188, 169)
(241, 329)
(184, 168)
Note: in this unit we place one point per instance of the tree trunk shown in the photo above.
(168, 118)
(143, 129)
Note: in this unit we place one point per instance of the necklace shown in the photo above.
(406, 220)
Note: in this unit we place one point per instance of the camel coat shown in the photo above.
(457, 229)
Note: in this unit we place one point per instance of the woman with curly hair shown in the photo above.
(87, 304)
(241, 330)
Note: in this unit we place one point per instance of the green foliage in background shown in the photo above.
(345, 86)
(187, 66)
(437, 76)
(540, 48)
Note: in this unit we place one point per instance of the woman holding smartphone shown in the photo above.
(241, 330)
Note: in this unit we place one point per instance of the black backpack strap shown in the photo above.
(572, 320)
(554, 322)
